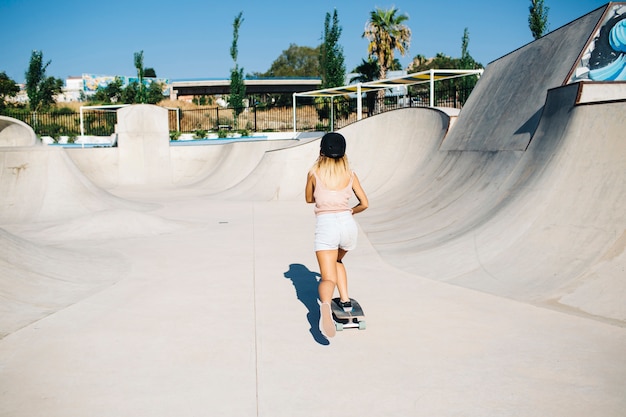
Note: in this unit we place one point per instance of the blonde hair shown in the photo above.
(333, 172)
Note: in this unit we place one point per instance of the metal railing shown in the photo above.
(311, 115)
(97, 123)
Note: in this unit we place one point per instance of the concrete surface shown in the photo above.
(491, 274)
(504, 109)
(14, 132)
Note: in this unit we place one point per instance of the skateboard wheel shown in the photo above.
(362, 325)
(338, 326)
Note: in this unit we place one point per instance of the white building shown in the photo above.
(74, 87)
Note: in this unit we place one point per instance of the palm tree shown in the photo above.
(367, 71)
(386, 32)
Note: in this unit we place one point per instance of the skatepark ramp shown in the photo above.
(42, 183)
(14, 132)
(524, 197)
(544, 226)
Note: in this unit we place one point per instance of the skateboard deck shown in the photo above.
(348, 320)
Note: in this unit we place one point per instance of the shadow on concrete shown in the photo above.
(305, 283)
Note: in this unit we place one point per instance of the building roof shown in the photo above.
(279, 85)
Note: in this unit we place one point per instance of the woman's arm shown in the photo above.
(310, 187)
(360, 195)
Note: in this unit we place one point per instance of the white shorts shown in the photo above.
(335, 230)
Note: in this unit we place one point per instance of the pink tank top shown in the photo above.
(331, 201)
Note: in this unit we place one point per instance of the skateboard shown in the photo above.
(348, 320)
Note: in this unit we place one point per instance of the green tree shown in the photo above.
(466, 84)
(140, 91)
(331, 59)
(8, 88)
(140, 96)
(386, 32)
(538, 18)
(41, 89)
(154, 93)
(332, 68)
(130, 94)
(112, 93)
(295, 61)
(237, 86)
(465, 56)
(440, 61)
(367, 71)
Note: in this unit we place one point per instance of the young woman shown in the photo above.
(330, 185)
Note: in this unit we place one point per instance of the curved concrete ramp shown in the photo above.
(37, 281)
(380, 149)
(543, 226)
(14, 132)
(212, 169)
(503, 110)
(43, 184)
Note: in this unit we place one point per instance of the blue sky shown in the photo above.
(192, 38)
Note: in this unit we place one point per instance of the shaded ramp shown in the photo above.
(504, 108)
(546, 225)
(524, 197)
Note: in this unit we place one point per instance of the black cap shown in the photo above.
(333, 145)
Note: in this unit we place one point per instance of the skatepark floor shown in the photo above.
(215, 313)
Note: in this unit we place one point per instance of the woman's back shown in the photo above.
(332, 200)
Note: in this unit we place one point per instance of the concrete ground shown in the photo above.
(218, 316)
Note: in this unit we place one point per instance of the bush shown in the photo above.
(199, 133)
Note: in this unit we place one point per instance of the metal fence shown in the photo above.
(56, 124)
(310, 115)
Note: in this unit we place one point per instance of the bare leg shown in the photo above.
(327, 260)
(342, 276)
